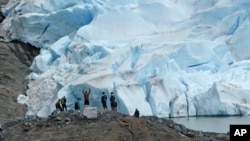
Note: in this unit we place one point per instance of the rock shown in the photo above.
(48, 125)
(28, 124)
(190, 134)
(171, 124)
(222, 136)
(58, 118)
(19, 118)
(26, 129)
(1, 128)
(71, 111)
(123, 122)
(59, 125)
(184, 130)
(67, 120)
(15, 60)
(1, 17)
(177, 128)
(160, 121)
(200, 134)
(39, 125)
(90, 112)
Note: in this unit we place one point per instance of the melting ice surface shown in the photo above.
(164, 57)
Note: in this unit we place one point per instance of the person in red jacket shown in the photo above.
(86, 97)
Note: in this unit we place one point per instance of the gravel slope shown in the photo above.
(15, 59)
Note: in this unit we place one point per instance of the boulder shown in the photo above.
(222, 137)
(90, 112)
(190, 134)
(58, 118)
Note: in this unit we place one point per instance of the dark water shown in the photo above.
(212, 124)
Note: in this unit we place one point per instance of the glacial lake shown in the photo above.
(212, 124)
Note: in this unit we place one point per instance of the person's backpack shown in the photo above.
(63, 101)
(104, 98)
(112, 99)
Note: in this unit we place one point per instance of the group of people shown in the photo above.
(61, 103)
(113, 102)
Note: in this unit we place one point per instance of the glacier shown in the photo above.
(167, 58)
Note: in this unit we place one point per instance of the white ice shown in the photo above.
(163, 57)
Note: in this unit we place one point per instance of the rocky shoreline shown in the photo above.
(108, 125)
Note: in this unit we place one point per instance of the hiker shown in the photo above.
(137, 113)
(86, 97)
(58, 105)
(63, 102)
(113, 103)
(77, 105)
(104, 101)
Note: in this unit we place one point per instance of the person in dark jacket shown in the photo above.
(104, 101)
(58, 105)
(113, 102)
(137, 113)
(77, 105)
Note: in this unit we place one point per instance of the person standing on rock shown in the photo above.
(104, 101)
(113, 102)
(58, 105)
(137, 113)
(63, 102)
(77, 105)
(86, 97)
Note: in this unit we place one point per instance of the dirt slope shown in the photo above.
(15, 59)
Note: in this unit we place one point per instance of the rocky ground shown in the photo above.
(108, 126)
(15, 59)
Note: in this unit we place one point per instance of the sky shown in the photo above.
(163, 57)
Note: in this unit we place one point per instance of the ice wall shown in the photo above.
(166, 58)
